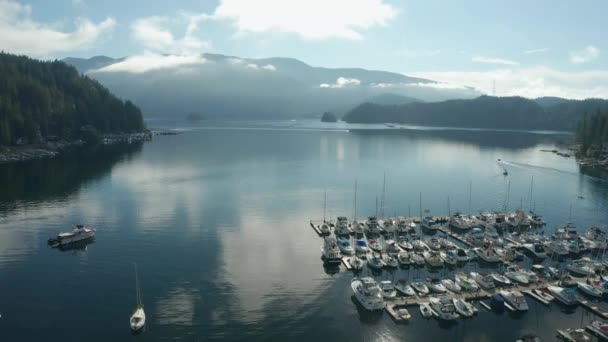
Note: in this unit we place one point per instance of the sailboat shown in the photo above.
(138, 318)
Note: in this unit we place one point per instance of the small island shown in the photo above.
(328, 117)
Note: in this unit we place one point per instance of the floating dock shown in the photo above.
(391, 309)
(594, 307)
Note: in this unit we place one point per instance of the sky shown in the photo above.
(526, 48)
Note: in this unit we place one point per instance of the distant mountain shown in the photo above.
(229, 87)
(391, 99)
(548, 101)
(481, 112)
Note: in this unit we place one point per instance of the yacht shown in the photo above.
(420, 287)
(444, 308)
(324, 228)
(404, 259)
(78, 233)
(458, 221)
(558, 248)
(466, 283)
(417, 259)
(426, 311)
(463, 308)
(433, 259)
(356, 263)
(554, 271)
(451, 286)
(433, 243)
(404, 288)
(449, 257)
(405, 244)
(138, 318)
(375, 261)
(598, 237)
(536, 249)
(361, 246)
(388, 290)
(500, 279)
(429, 223)
(372, 226)
(516, 299)
(487, 254)
(368, 293)
(581, 267)
(476, 237)
(435, 285)
(420, 246)
(345, 246)
(564, 295)
(331, 252)
(516, 275)
(544, 295)
(484, 280)
(390, 261)
(391, 247)
(590, 289)
(462, 255)
(375, 244)
(342, 226)
(491, 235)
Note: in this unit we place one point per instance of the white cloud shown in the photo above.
(529, 82)
(533, 51)
(19, 33)
(152, 33)
(341, 82)
(310, 19)
(78, 3)
(491, 60)
(585, 55)
(254, 66)
(151, 62)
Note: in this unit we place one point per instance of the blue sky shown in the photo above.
(529, 47)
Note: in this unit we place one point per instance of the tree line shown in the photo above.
(592, 133)
(40, 99)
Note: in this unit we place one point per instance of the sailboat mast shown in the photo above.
(383, 199)
(421, 206)
(355, 203)
(470, 196)
(324, 202)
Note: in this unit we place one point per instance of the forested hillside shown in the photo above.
(592, 133)
(51, 99)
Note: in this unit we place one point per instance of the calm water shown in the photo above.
(217, 220)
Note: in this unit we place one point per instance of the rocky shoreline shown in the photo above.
(50, 149)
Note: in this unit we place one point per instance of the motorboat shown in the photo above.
(581, 267)
(390, 261)
(463, 308)
(444, 308)
(462, 255)
(404, 259)
(449, 257)
(598, 237)
(559, 248)
(574, 335)
(77, 234)
(436, 286)
(375, 261)
(361, 246)
(372, 227)
(345, 246)
(391, 247)
(458, 221)
(417, 259)
(484, 280)
(341, 228)
(138, 318)
(404, 314)
(433, 259)
(516, 299)
(554, 271)
(466, 283)
(368, 293)
(515, 274)
(324, 228)
(388, 225)
(532, 277)
(544, 295)
(420, 246)
(451, 286)
(388, 290)
(405, 244)
(426, 311)
(590, 289)
(375, 245)
(536, 249)
(429, 223)
(356, 263)
(599, 328)
(446, 244)
(420, 287)
(500, 279)
(330, 251)
(476, 237)
(404, 288)
(433, 243)
(487, 254)
(564, 295)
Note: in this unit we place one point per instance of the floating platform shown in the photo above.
(391, 309)
(594, 307)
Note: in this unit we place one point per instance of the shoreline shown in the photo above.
(50, 149)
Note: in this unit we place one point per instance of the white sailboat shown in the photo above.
(138, 318)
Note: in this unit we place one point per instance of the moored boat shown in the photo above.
(451, 286)
(420, 287)
(463, 308)
(331, 252)
(484, 280)
(404, 288)
(516, 299)
(375, 261)
(564, 295)
(590, 289)
(500, 279)
(388, 290)
(368, 293)
(444, 308)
